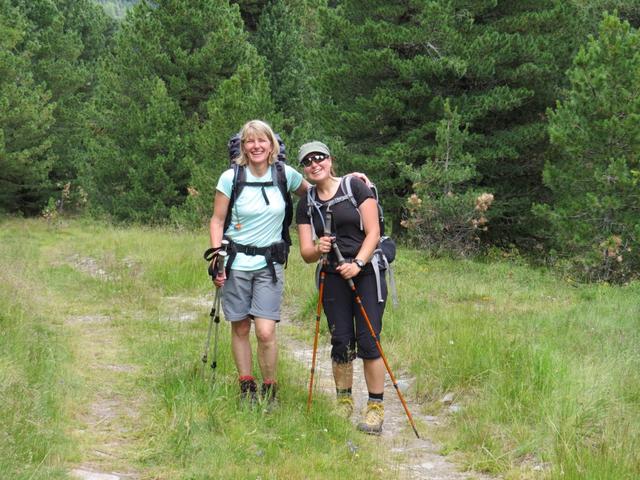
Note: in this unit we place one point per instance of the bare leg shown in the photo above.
(267, 348)
(374, 375)
(241, 346)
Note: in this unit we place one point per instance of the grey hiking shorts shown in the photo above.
(253, 294)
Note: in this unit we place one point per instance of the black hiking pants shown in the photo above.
(350, 336)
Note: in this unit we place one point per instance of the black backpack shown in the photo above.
(384, 255)
(277, 174)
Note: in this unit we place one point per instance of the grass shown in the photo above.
(545, 371)
(131, 288)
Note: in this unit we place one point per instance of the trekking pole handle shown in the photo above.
(222, 254)
(327, 231)
(328, 216)
(341, 261)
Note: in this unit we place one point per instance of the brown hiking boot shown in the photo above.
(373, 418)
(345, 406)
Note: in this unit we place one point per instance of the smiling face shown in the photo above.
(317, 166)
(257, 148)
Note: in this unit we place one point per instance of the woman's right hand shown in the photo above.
(217, 276)
(218, 281)
(324, 245)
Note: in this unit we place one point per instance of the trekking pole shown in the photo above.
(327, 232)
(214, 317)
(352, 285)
(222, 274)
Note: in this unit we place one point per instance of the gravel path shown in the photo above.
(413, 458)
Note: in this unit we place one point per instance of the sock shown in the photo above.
(343, 392)
(376, 397)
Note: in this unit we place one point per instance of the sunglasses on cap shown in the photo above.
(314, 157)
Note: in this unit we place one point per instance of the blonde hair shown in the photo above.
(257, 128)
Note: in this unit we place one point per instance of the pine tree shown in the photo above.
(166, 104)
(251, 10)
(515, 54)
(383, 68)
(445, 212)
(25, 120)
(393, 64)
(66, 38)
(282, 38)
(593, 10)
(595, 177)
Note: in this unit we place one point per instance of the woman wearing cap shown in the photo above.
(350, 336)
(253, 291)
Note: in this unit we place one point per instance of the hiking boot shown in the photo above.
(345, 406)
(268, 396)
(373, 418)
(248, 391)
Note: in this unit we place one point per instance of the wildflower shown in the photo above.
(414, 200)
(484, 201)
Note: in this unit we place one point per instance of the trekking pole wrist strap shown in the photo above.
(210, 253)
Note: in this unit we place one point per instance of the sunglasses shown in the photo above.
(316, 157)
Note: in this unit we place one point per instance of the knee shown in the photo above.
(266, 335)
(241, 328)
(342, 352)
(367, 348)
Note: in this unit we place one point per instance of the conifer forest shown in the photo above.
(487, 125)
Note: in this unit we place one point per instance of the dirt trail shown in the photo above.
(106, 419)
(105, 426)
(413, 458)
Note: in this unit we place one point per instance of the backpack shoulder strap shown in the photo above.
(345, 183)
(313, 205)
(279, 178)
(239, 181)
(346, 188)
(347, 193)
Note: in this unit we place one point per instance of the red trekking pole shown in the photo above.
(327, 232)
(315, 339)
(352, 285)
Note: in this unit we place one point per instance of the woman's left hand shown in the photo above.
(362, 177)
(348, 270)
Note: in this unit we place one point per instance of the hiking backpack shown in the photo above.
(384, 255)
(278, 176)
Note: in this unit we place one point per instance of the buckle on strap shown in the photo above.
(251, 250)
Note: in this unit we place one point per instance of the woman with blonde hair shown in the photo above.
(253, 290)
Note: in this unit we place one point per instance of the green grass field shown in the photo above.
(105, 326)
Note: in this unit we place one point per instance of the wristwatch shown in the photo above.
(359, 262)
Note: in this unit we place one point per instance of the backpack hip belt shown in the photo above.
(276, 252)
